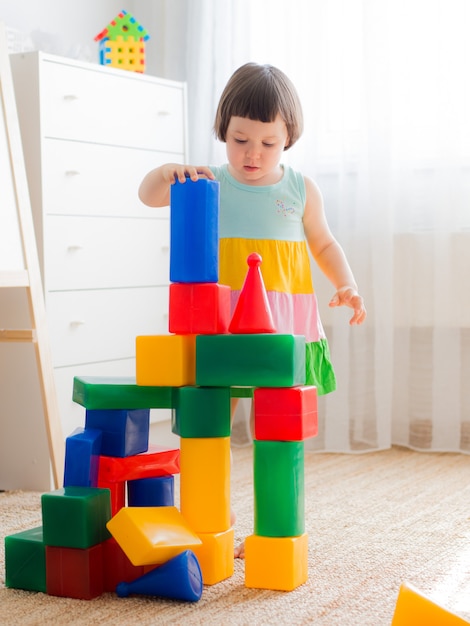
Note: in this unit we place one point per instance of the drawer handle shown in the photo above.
(76, 323)
(165, 248)
(70, 97)
(72, 173)
(163, 113)
(74, 246)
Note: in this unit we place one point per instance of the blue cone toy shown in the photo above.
(180, 578)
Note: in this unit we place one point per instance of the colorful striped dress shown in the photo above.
(268, 220)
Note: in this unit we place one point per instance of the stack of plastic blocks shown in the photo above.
(208, 357)
(73, 553)
(209, 353)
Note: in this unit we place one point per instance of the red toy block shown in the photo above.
(252, 313)
(117, 492)
(157, 461)
(74, 572)
(117, 567)
(285, 414)
(199, 308)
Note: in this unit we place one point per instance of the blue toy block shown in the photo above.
(124, 432)
(194, 231)
(82, 456)
(25, 560)
(180, 578)
(158, 491)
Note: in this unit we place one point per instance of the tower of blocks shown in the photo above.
(114, 525)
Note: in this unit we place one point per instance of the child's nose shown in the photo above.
(252, 151)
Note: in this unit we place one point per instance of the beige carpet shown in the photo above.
(374, 520)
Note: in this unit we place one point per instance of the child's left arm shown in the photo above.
(329, 255)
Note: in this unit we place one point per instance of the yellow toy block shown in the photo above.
(153, 534)
(215, 556)
(278, 563)
(414, 609)
(166, 360)
(205, 483)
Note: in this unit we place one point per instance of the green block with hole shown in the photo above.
(279, 506)
(201, 412)
(75, 517)
(25, 560)
(256, 360)
(103, 392)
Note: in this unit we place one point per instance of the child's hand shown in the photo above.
(348, 296)
(175, 171)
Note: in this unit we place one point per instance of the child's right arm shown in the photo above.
(154, 190)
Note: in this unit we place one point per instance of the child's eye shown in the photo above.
(240, 140)
(268, 145)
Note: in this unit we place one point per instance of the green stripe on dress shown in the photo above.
(319, 370)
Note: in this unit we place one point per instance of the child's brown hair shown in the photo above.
(260, 92)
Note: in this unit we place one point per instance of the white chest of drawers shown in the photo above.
(89, 135)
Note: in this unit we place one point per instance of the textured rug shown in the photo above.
(374, 520)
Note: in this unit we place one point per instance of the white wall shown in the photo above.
(68, 28)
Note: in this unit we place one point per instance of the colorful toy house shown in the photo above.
(122, 43)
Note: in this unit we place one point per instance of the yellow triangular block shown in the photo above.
(151, 535)
(414, 609)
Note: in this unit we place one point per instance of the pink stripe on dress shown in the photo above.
(293, 314)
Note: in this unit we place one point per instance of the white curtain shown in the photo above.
(386, 93)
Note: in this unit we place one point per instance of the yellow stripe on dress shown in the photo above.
(285, 266)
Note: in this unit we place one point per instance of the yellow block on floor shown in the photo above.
(215, 556)
(205, 483)
(278, 563)
(165, 360)
(414, 609)
(152, 535)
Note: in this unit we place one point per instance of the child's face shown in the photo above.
(254, 150)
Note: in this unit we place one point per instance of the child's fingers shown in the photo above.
(360, 312)
(193, 172)
(349, 297)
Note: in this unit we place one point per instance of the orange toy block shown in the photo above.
(166, 360)
(278, 563)
(414, 609)
(150, 535)
(215, 556)
(205, 483)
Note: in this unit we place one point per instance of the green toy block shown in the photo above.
(257, 360)
(75, 517)
(25, 560)
(102, 392)
(279, 509)
(201, 412)
(241, 392)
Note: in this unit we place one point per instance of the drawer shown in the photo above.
(87, 104)
(105, 252)
(92, 326)
(91, 179)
